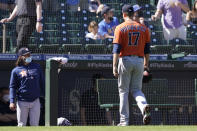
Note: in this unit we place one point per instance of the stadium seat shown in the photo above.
(53, 40)
(148, 7)
(107, 41)
(109, 48)
(191, 28)
(73, 33)
(96, 48)
(157, 34)
(108, 93)
(33, 48)
(161, 49)
(177, 41)
(188, 49)
(52, 26)
(72, 49)
(157, 41)
(193, 35)
(49, 48)
(52, 33)
(91, 41)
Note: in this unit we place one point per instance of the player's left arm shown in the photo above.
(147, 49)
(184, 6)
(39, 15)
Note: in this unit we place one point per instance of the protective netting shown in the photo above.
(172, 102)
(65, 25)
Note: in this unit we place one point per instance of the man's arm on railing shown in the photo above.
(12, 16)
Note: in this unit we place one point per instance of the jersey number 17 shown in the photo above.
(133, 35)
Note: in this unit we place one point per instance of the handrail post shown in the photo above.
(4, 38)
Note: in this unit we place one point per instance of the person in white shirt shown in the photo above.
(93, 29)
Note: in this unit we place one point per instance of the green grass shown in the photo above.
(103, 128)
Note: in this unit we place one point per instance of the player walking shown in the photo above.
(131, 46)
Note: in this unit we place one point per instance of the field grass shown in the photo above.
(103, 128)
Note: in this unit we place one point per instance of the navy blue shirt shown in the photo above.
(26, 83)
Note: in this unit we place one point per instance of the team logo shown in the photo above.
(23, 73)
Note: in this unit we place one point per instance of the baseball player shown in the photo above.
(131, 47)
(26, 86)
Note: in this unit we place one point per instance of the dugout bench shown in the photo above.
(156, 93)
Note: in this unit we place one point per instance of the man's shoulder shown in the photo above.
(101, 23)
(17, 68)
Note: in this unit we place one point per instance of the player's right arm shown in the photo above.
(115, 62)
(13, 87)
(147, 49)
(116, 50)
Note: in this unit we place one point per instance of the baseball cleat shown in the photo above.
(146, 115)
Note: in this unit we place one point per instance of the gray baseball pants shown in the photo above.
(130, 70)
(31, 109)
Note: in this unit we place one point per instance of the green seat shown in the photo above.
(51, 26)
(96, 48)
(33, 48)
(73, 26)
(53, 40)
(188, 49)
(52, 33)
(177, 41)
(75, 40)
(157, 35)
(161, 49)
(110, 48)
(108, 95)
(72, 49)
(156, 91)
(73, 33)
(49, 48)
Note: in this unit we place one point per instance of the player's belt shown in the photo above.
(136, 55)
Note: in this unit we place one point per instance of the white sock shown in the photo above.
(140, 99)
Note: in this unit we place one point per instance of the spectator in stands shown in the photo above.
(93, 29)
(26, 86)
(138, 15)
(29, 14)
(95, 6)
(77, 5)
(91, 113)
(7, 5)
(109, 22)
(192, 15)
(7, 117)
(173, 26)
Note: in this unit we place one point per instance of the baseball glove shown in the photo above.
(147, 76)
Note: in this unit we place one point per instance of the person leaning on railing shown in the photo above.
(192, 15)
(29, 14)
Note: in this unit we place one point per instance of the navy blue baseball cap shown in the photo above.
(23, 51)
(127, 8)
(105, 10)
(136, 7)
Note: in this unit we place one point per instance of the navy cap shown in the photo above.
(127, 8)
(136, 7)
(105, 10)
(23, 51)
